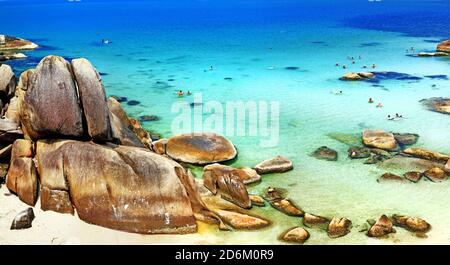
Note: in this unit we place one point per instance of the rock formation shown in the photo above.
(379, 139)
(278, 164)
(444, 46)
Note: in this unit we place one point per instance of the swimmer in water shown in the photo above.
(365, 66)
(370, 100)
(398, 116)
(180, 93)
(373, 66)
(379, 105)
(189, 93)
(344, 67)
(389, 118)
(210, 68)
(337, 64)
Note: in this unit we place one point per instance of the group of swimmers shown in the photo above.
(181, 93)
(396, 117)
(379, 105)
(351, 58)
(410, 50)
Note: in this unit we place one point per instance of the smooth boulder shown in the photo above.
(295, 235)
(437, 104)
(7, 81)
(278, 164)
(49, 106)
(22, 175)
(93, 99)
(406, 138)
(413, 176)
(311, 220)
(379, 139)
(200, 148)
(435, 174)
(413, 224)
(23, 220)
(129, 188)
(426, 154)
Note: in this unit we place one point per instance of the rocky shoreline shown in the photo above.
(77, 152)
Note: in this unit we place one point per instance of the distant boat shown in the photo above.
(106, 41)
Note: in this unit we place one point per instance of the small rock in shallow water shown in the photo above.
(291, 68)
(295, 235)
(149, 118)
(120, 99)
(435, 174)
(23, 220)
(325, 153)
(375, 159)
(413, 176)
(339, 227)
(241, 221)
(381, 228)
(413, 224)
(274, 194)
(256, 200)
(311, 220)
(358, 152)
(133, 102)
(287, 207)
(278, 164)
(228, 78)
(390, 177)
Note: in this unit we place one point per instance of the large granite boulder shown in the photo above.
(9, 131)
(228, 184)
(50, 104)
(122, 129)
(119, 187)
(426, 154)
(200, 148)
(379, 139)
(278, 164)
(93, 99)
(7, 81)
(444, 46)
(22, 175)
(437, 104)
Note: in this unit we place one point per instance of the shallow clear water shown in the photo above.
(253, 42)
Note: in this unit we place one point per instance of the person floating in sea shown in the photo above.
(370, 100)
(344, 67)
(359, 57)
(337, 92)
(398, 116)
(189, 93)
(353, 62)
(364, 66)
(180, 93)
(390, 118)
(211, 68)
(379, 105)
(374, 66)
(337, 64)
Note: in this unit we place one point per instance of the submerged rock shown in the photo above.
(274, 194)
(435, 174)
(346, 138)
(413, 224)
(390, 177)
(228, 184)
(405, 163)
(413, 176)
(278, 164)
(339, 227)
(444, 46)
(426, 154)
(23, 220)
(133, 102)
(120, 99)
(358, 152)
(200, 148)
(406, 138)
(149, 118)
(379, 139)
(311, 220)
(437, 104)
(382, 227)
(295, 235)
(325, 153)
(375, 159)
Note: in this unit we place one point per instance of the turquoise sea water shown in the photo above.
(161, 47)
